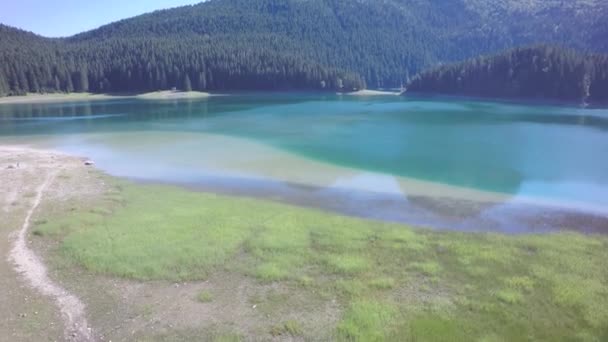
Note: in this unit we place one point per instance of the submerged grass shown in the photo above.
(394, 282)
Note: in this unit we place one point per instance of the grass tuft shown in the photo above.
(227, 337)
(428, 268)
(347, 264)
(290, 328)
(305, 281)
(350, 288)
(271, 272)
(436, 329)
(205, 297)
(509, 296)
(384, 283)
(520, 283)
(367, 321)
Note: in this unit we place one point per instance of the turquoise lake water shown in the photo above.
(553, 153)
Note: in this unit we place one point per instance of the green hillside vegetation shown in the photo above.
(287, 44)
(538, 72)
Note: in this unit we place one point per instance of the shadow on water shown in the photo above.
(443, 213)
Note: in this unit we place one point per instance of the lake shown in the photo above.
(446, 163)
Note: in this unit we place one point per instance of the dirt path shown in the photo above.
(31, 268)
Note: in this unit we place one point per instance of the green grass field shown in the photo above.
(393, 281)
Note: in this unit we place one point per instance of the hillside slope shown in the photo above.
(318, 44)
(541, 72)
(381, 40)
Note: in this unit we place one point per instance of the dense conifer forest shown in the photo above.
(147, 64)
(543, 72)
(290, 44)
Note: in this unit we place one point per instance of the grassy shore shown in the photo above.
(392, 282)
(68, 97)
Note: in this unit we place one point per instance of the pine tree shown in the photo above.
(56, 83)
(187, 83)
(69, 85)
(202, 81)
(3, 85)
(83, 80)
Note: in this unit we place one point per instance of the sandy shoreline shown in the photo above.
(157, 95)
(39, 169)
(370, 92)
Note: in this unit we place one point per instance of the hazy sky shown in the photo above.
(58, 18)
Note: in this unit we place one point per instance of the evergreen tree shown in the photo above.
(56, 83)
(187, 83)
(202, 81)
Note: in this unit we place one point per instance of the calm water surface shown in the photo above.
(354, 155)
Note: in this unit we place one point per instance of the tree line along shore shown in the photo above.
(326, 45)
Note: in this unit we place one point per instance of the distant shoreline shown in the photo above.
(370, 92)
(66, 97)
(154, 96)
(526, 101)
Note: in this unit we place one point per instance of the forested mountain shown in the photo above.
(278, 44)
(541, 72)
(147, 64)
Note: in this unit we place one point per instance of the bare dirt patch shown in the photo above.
(41, 169)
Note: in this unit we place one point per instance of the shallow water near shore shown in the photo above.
(452, 164)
